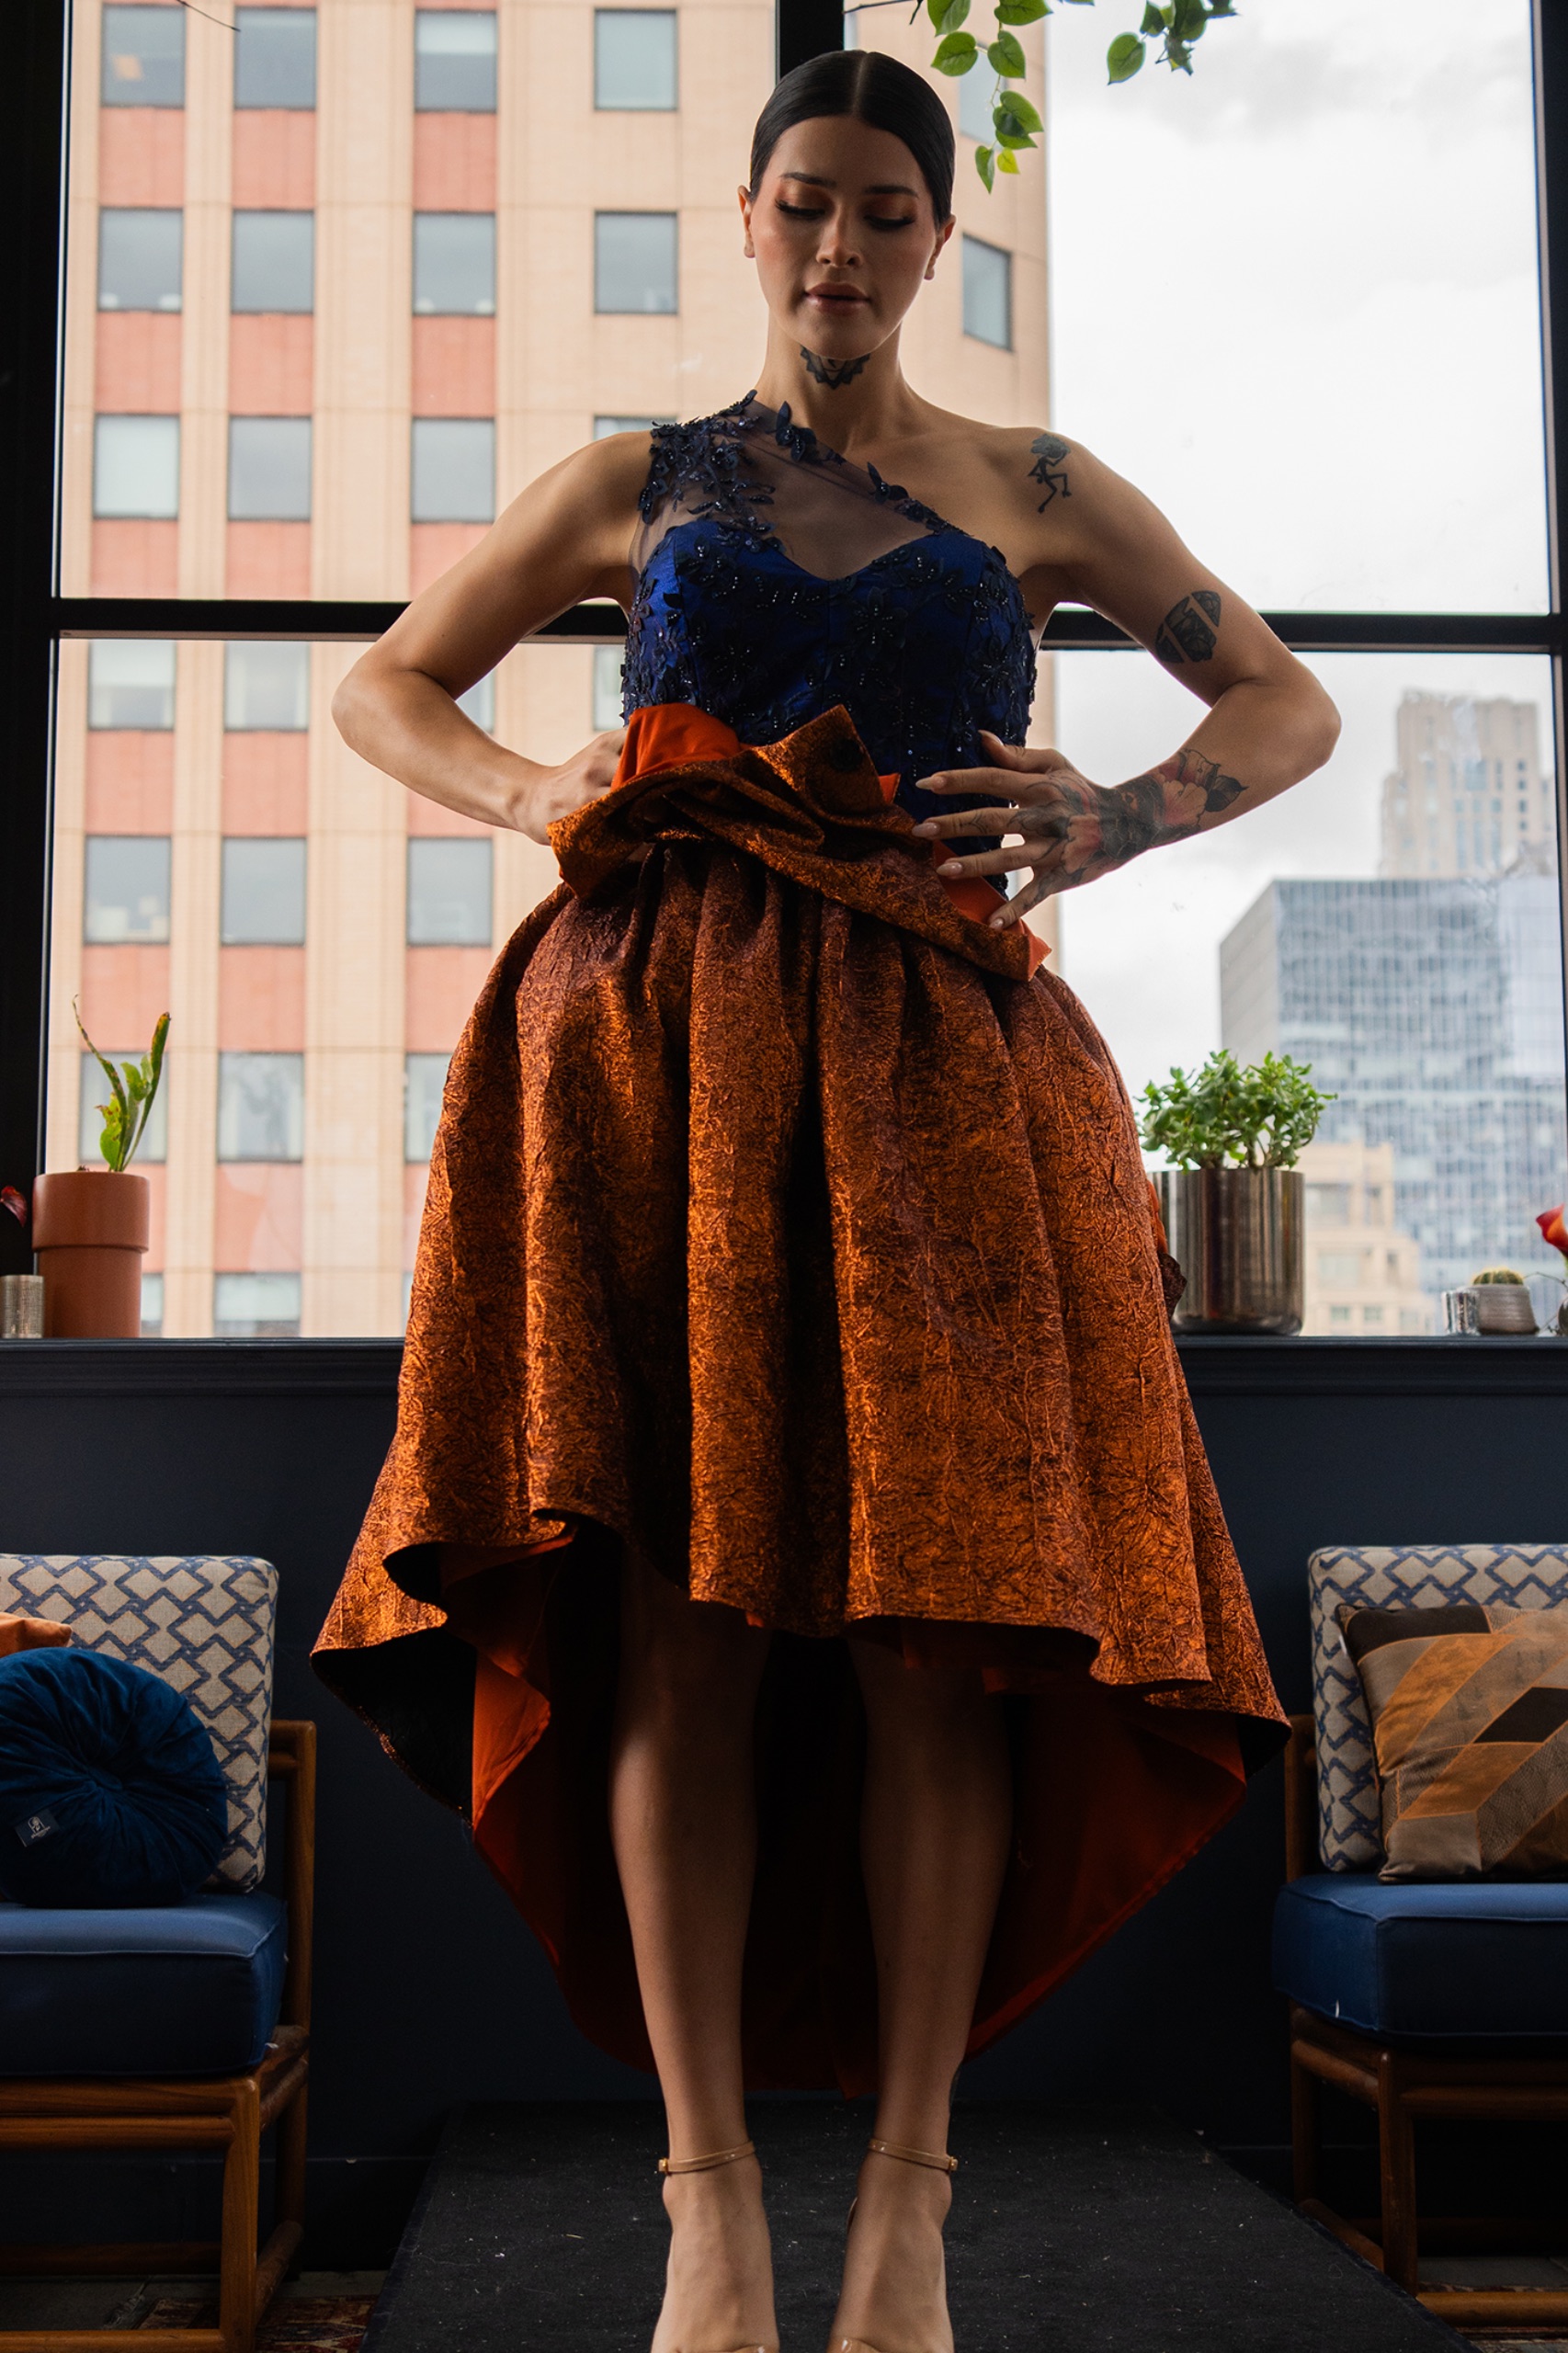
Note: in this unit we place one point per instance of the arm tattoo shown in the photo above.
(834, 374)
(1048, 452)
(1101, 828)
(1189, 630)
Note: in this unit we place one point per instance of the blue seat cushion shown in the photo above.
(1445, 1960)
(179, 1989)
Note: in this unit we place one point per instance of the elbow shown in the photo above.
(1322, 728)
(348, 707)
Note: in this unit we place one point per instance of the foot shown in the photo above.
(719, 2283)
(894, 2296)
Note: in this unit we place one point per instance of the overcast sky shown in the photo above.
(1294, 300)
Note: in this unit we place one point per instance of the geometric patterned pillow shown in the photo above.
(1395, 1576)
(1470, 1710)
(203, 1623)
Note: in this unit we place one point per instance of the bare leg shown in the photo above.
(682, 1820)
(935, 1838)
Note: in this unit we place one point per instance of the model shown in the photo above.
(796, 1554)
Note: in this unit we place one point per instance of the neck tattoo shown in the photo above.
(831, 374)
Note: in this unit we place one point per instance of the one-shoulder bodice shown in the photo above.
(776, 579)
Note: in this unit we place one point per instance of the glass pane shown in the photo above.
(454, 264)
(270, 469)
(274, 262)
(275, 58)
(634, 58)
(143, 57)
(454, 470)
(987, 293)
(1393, 922)
(454, 60)
(139, 258)
(635, 266)
(318, 938)
(1325, 365)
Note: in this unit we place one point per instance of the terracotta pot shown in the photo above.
(91, 1228)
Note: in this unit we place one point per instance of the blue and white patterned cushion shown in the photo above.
(1396, 1576)
(203, 1623)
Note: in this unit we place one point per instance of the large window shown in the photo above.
(274, 262)
(275, 57)
(634, 60)
(635, 261)
(139, 258)
(454, 60)
(143, 57)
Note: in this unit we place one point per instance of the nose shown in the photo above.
(835, 247)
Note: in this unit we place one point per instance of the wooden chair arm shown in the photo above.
(1302, 1799)
(291, 1759)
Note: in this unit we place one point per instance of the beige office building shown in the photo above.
(343, 280)
(1467, 798)
(1363, 1272)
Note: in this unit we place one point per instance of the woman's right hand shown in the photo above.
(552, 793)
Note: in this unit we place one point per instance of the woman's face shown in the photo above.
(842, 231)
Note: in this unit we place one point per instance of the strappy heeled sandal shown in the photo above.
(706, 2164)
(939, 2164)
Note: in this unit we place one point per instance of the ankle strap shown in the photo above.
(706, 2164)
(914, 2156)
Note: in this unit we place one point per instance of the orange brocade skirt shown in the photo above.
(789, 1233)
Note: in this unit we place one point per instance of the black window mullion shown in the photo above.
(1550, 36)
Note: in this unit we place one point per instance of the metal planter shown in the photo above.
(1236, 1235)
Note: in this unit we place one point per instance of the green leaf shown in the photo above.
(1006, 56)
(985, 164)
(1221, 8)
(957, 53)
(1124, 57)
(1006, 139)
(952, 15)
(1187, 19)
(1178, 56)
(1154, 22)
(1005, 163)
(1020, 12)
(1021, 114)
(936, 11)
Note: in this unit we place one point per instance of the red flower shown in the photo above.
(1553, 1229)
(11, 1199)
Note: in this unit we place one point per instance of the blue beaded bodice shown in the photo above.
(776, 579)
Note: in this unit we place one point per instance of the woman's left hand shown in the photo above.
(1072, 831)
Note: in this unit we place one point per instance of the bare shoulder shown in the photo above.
(604, 477)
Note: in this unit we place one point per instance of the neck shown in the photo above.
(855, 403)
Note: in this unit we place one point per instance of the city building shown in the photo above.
(1467, 796)
(1363, 1274)
(341, 283)
(1432, 1012)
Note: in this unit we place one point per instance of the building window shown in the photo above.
(274, 262)
(266, 688)
(987, 293)
(126, 896)
(454, 265)
(634, 60)
(136, 466)
(975, 106)
(454, 60)
(131, 682)
(261, 1107)
(275, 57)
(96, 1092)
(424, 1077)
(479, 703)
(605, 426)
(255, 1307)
(270, 470)
(143, 57)
(138, 259)
(449, 892)
(609, 661)
(264, 893)
(151, 1289)
(454, 470)
(635, 261)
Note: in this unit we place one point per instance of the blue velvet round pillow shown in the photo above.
(109, 1790)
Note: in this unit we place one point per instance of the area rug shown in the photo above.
(1083, 2230)
(297, 2324)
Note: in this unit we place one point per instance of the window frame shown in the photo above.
(34, 617)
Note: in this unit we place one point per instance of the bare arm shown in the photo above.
(1101, 542)
(567, 537)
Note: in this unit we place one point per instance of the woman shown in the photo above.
(796, 1551)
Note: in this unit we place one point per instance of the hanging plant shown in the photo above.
(1016, 123)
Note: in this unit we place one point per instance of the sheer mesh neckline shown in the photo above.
(755, 474)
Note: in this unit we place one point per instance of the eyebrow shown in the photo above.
(880, 188)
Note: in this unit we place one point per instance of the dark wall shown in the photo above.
(428, 1989)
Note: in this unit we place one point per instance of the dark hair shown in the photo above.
(874, 89)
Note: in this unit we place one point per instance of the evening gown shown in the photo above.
(787, 1232)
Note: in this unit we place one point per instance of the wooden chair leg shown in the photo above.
(1304, 2130)
(242, 2195)
(1396, 2167)
(289, 2203)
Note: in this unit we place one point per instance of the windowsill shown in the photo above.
(1223, 1365)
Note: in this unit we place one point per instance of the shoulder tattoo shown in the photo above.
(1190, 629)
(1050, 453)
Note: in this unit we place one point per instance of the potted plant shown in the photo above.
(1232, 1205)
(91, 1226)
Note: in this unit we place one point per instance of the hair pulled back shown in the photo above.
(874, 89)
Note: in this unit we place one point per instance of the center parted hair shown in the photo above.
(874, 89)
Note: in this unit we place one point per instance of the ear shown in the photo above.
(943, 233)
(742, 196)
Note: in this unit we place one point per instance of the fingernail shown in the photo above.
(951, 866)
(926, 826)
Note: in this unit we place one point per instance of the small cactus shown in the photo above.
(1495, 1274)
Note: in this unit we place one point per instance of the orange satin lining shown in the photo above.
(673, 735)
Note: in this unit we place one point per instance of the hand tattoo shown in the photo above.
(1188, 632)
(1048, 452)
(834, 374)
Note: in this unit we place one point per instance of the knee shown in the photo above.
(923, 1708)
(686, 1663)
